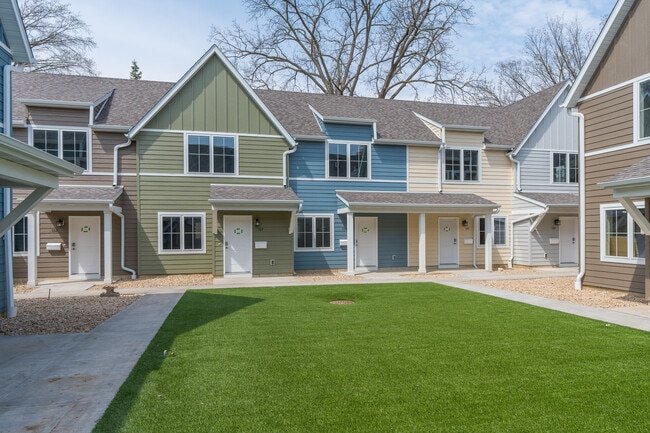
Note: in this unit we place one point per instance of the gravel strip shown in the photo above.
(62, 315)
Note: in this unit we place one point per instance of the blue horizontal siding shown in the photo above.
(308, 161)
(337, 131)
(3, 260)
(319, 196)
(388, 162)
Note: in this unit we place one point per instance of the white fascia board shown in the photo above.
(413, 208)
(604, 40)
(54, 104)
(213, 51)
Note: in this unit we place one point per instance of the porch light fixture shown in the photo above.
(465, 223)
(557, 222)
(60, 223)
(257, 222)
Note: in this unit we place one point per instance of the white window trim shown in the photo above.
(186, 162)
(630, 239)
(348, 143)
(637, 108)
(182, 250)
(462, 164)
(477, 232)
(567, 165)
(60, 129)
(313, 216)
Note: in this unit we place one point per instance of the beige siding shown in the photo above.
(496, 168)
(44, 116)
(465, 139)
(598, 273)
(609, 119)
(423, 168)
(214, 101)
(627, 57)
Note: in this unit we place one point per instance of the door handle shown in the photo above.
(226, 244)
(455, 241)
(573, 240)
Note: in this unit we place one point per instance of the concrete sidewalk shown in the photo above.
(64, 383)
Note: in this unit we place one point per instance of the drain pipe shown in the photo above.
(118, 211)
(581, 182)
(285, 166)
(517, 172)
(441, 151)
(115, 159)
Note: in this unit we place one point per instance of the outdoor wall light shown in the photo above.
(465, 223)
(557, 222)
(257, 222)
(60, 223)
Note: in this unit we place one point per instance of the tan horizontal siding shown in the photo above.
(48, 116)
(461, 138)
(423, 168)
(609, 119)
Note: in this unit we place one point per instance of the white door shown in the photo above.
(448, 242)
(568, 241)
(84, 244)
(365, 234)
(238, 244)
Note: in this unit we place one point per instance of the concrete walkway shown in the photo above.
(64, 383)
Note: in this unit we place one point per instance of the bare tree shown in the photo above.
(349, 47)
(59, 38)
(552, 54)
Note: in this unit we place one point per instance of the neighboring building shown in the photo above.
(20, 165)
(389, 183)
(545, 229)
(86, 229)
(612, 94)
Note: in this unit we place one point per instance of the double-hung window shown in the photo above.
(181, 233)
(348, 160)
(71, 145)
(499, 231)
(643, 122)
(20, 237)
(621, 238)
(314, 232)
(212, 154)
(565, 167)
(461, 164)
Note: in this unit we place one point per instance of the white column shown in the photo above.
(351, 243)
(422, 244)
(32, 249)
(489, 235)
(108, 247)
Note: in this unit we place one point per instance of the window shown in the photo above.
(499, 231)
(461, 164)
(314, 232)
(621, 238)
(348, 161)
(644, 110)
(69, 145)
(214, 154)
(20, 237)
(565, 168)
(181, 233)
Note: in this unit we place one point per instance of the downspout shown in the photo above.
(118, 211)
(441, 151)
(115, 159)
(285, 166)
(8, 193)
(581, 151)
(517, 172)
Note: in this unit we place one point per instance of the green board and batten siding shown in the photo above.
(212, 101)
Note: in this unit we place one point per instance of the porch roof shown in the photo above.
(240, 197)
(553, 201)
(414, 202)
(84, 194)
(633, 181)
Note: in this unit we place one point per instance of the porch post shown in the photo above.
(647, 245)
(351, 243)
(32, 249)
(108, 247)
(488, 242)
(422, 252)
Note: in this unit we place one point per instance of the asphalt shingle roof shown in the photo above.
(231, 193)
(554, 199)
(413, 198)
(86, 194)
(639, 170)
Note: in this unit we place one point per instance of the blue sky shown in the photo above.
(166, 37)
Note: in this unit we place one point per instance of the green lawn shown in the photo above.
(415, 357)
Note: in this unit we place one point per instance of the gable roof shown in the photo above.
(213, 51)
(599, 50)
(401, 121)
(126, 101)
(15, 34)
